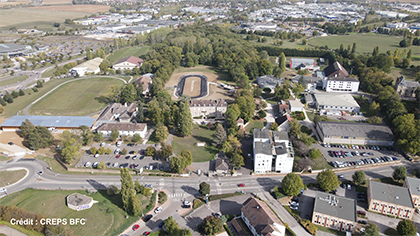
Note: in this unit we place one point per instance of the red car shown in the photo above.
(146, 233)
(241, 185)
(136, 227)
(118, 156)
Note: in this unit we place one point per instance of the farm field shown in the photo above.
(199, 135)
(75, 98)
(75, 8)
(28, 18)
(104, 218)
(128, 51)
(364, 42)
(13, 80)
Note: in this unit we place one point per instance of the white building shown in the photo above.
(398, 25)
(206, 109)
(124, 129)
(295, 105)
(91, 66)
(78, 202)
(272, 152)
(128, 63)
(334, 104)
(341, 84)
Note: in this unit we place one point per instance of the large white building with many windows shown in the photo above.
(341, 84)
(272, 152)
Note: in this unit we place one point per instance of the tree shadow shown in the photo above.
(103, 99)
(230, 207)
(193, 222)
(96, 185)
(268, 183)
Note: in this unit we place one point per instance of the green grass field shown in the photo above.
(137, 51)
(75, 98)
(286, 44)
(257, 124)
(364, 42)
(10, 177)
(104, 218)
(199, 154)
(14, 80)
(28, 18)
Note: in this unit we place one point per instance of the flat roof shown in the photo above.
(259, 133)
(343, 79)
(50, 121)
(263, 148)
(413, 185)
(280, 135)
(335, 99)
(295, 103)
(364, 130)
(91, 65)
(390, 193)
(333, 205)
(11, 47)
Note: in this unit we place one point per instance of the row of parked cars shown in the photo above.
(337, 164)
(351, 146)
(343, 154)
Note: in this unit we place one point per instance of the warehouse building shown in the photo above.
(51, 122)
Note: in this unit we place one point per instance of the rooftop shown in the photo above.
(123, 126)
(131, 59)
(113, 111)
(91, 65)
(413, 185)
(208, 103)
(390, 193)
(336, 70)
(280, 148)
(364, 130)
(295, 103)
(259, 133)
(333, 205)
(354, 79)
(280, 135)
(78, 199)
(50, 121)
(263, 148)
(11, 47)
(334, 99)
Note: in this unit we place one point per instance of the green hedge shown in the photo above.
(311, 228)
(227, 230)
(152, 202)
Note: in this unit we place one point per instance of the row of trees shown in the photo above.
(36, 137)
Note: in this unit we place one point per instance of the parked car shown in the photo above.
(241, 185)
(348, 187)
(148, 186)
(146, 233)
(341, 176)
(11, 143)
(363, 222)
(96, 155)
(363, 213)
(87, 164)
(118, 156)
(136, 227)
(115, 164)
(147, 218)
(95, 165)
(102, 144)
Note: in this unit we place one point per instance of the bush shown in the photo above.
(311, 228)
(197, 203)
(112, 190)
(162, 197)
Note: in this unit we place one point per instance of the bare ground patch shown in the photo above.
(192, 86)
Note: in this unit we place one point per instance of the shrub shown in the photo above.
(311, 228)
(197, 203)
(112, 190)
(162, 197)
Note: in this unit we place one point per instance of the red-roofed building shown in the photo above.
(128, 63)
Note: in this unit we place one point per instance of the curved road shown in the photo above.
(69, 81)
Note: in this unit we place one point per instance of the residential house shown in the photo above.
(295, 105)
(213, 108)
(124, 129)
(128, 63)
(283, 122)
(220, 166)
(355, 133)
(268, 81)
(283, 108)
(117, 112)
(272, 152)
(145, 81)
(390, 200)
(413, 185)
(335, 212)
(91, 66)
(341, 84)
(334, 104)
(406, 88)
(260, 219)
(335, 70)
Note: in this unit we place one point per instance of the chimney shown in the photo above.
(258, 207)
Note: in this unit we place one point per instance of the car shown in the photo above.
(102, 144)
(241, 185)
(294, 208)
(136, 227)
(216, 214)
(127, 157)
(40, 173)
(294, 204)
(117, 151)
(118, 156)
(130, 144)
(87, 164)
(148, 186)
(249, 155)
(348, 187)
(146, 233)
(363, 213)
(134, 157)
(95, 165)
(147, 218)
(142, 152)
(11, 143)
(119, 143)
(96, 155)
(161, 224)
(142, 157)
(341, 176)
(363, 222)
(158, 210)
(115, 164)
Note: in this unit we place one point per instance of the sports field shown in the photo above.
(103, 218)
(364, 42)
(138, 51)
(75, 98)
(192, 86)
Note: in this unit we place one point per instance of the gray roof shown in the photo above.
(259, 133)
(280, 148)
(343, 79)
(390, 193)
(307, 79)
(280, 135)
(413, 185)
(11, 47)
(364, 130)
(333, 205)
(263, 148)
(335, 99)
(298, 61)
(51, 121)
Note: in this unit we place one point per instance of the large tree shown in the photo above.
(314, 153)
(26, 128)
(126, 187)
(359, 177)
(371, 229)
(400, 173)
(161, 132)
(128, 94)
(406, 228)
(204, 188)
(114, 134)
(282, 62)
(210, 226)
(220, 136)
(327, 180)
(183, 119)
(237, 160)
(292, 184)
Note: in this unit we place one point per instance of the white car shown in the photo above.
(102, 145)
(348, 187)
(115, 164)
(158, 210)
(96, 155)
(95, 164)
(87, 164)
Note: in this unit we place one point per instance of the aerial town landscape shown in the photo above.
(220, 117)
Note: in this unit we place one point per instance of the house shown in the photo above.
(355, 133)
(335, 212)
(295, 105)
(220, 166)
(303, 64)
(341, 84)
(334, 104)
(390, 200)
(206, 109)
(283, 122)
(260, 219)
(272, 152)
(124, 129)
(283, 108)
(413, 185)
(308, 82)
(335, 70)
(91, 66)
(145, 81)
(309, 99)
(128, 63)
(268, 81)
(406, 88)
(117, 112)
(240, 122)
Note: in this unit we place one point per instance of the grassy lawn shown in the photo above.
(258, 124)
(14, 80)
(199, 154)
(391, 232)
(321, 163)
(364, 106)
(222, 75)
(409, 73)
(10, 177)
(286, 44)
(389, 180)
(364, 42)
(331, 231)
(77, 98)
(5, 158)
(104, 218)
(137, 51)
(48, 73)
(311, 115)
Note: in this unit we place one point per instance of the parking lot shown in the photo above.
(114, 160)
